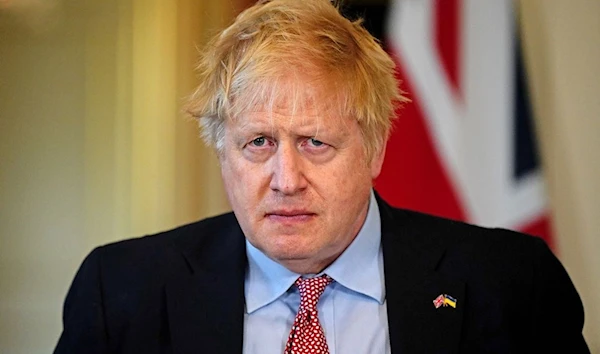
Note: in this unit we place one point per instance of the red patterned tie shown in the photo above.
(306, 336)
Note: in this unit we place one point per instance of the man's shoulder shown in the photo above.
(133, 267)
(447, 227)
(129, 277)
(165, 249)
(200, 232)
(467, 242)
(485, 258)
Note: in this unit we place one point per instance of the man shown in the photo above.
(298, 103)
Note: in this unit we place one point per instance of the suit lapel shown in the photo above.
(412, 283)
(206, 307)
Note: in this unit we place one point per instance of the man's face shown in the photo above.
(299, 184)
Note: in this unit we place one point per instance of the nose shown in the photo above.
(288, 172)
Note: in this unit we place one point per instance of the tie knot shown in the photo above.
(311, 289)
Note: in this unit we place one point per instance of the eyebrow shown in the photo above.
(301, 130)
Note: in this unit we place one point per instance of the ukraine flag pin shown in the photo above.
(449, 301)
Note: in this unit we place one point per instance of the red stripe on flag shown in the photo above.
(541, 227)
(447, 39)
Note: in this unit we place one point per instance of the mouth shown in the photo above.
(290, 216)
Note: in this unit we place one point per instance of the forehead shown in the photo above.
(296, 100)
(305, 121)
(295, 90)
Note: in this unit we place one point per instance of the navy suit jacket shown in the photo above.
(182, 291)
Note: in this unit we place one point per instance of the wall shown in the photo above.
(562, 48)
(93, 146)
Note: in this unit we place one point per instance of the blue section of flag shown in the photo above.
(525, 150)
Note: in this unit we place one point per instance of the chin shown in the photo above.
(290, 253)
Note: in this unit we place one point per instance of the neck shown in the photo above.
(307, 267)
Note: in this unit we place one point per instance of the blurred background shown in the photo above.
(94, 147)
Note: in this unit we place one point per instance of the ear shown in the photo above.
(377, 160)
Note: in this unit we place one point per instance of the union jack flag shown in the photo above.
(464, 147)
(439, 301)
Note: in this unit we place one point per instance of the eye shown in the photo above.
(315, 142)
(314, 146)
(260, 141)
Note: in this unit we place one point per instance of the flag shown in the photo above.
(449, 301)
(444, 300)
(464, 148)
(439, 301)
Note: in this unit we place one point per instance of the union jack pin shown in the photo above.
(444, 300)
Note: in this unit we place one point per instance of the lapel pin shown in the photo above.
(444, 300)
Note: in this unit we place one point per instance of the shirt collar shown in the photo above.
(359, 268)
(266, 280)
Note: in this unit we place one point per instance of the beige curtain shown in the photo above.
(562, 50)
(93, 146)
(157, 173)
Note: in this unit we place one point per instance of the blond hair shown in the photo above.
(269, 46)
